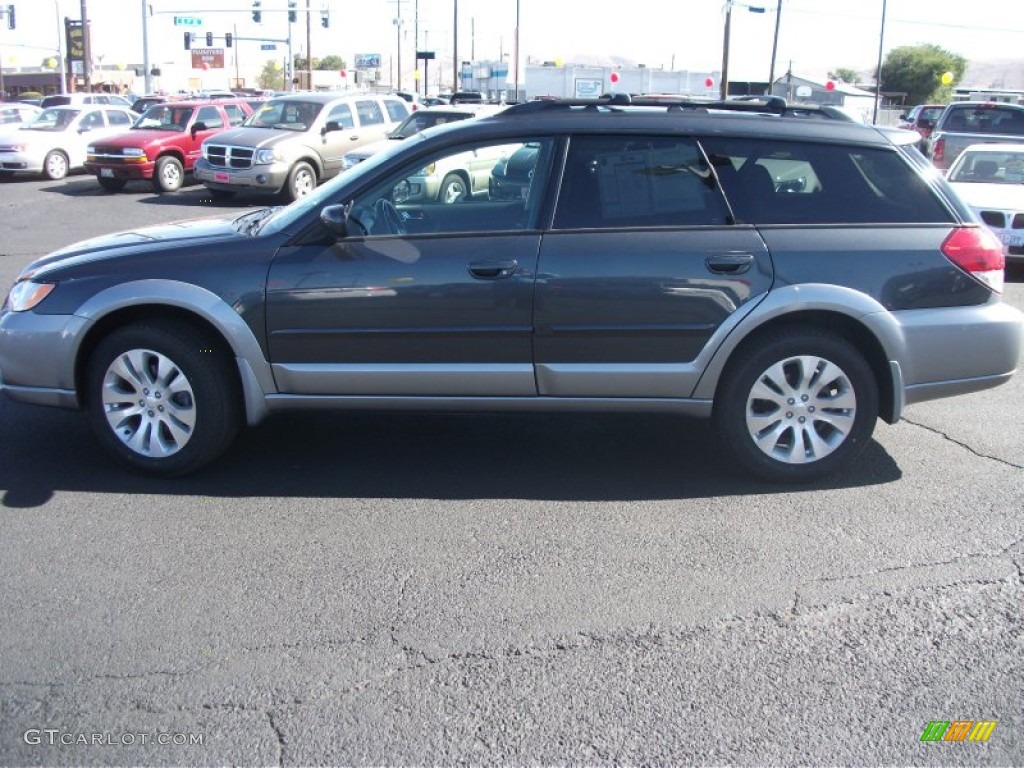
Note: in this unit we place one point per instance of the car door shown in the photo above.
(92, 125)
(213, 120)
(345, 136)
(418, 300)
(642, 268)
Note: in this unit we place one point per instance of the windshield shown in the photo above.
(288, 115)
(419, 121)
(53, 120)
(989, 168)
(165, 118)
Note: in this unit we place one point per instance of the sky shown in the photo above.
(814, 36)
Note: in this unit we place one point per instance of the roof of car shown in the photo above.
(325, 97)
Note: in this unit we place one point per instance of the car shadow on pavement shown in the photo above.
(580, 457)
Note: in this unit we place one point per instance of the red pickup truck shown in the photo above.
(163, 144)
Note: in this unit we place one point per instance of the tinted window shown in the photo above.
(985, 118)
(397, 110)
(210, 116)
(165, 117)
(369, 112)
(615, 181)
(92, 121)
(342, 115)
(770, 182)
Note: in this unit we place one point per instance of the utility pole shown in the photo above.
(725, 52)
(775, 48)
(455, 49)
(515, 45)
(878, 72)
(86, 49)
(309, 50)
(147, 77)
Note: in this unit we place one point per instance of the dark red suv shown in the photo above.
(164, 143)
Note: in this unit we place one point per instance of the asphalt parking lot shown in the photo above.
(516, 589)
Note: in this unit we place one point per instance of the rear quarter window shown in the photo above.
(369, 112)
(777, 182)
(397, 109)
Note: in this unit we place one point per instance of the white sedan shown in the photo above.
(990, 179)
(54, 142)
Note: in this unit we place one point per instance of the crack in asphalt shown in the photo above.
(281, 740)
(962, 444)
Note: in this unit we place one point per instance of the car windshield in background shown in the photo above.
(419, 121)
(286, 115)
(989, 168)
(164, 118)
(53, 120)
(986, 118)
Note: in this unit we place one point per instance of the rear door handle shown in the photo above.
(729, 263)
(493, 270)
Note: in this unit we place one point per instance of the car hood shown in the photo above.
(257, 138)
(134, 241)
(1003, 196)
(140, 137)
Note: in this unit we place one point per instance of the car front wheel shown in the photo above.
(168, 175)
(55, 165)
(797, 406)
(161, 397)
(453, 189)
(301, 181)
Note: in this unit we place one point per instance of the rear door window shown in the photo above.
(637, 181)
(397, 110)
(342, 115)
(369, 112)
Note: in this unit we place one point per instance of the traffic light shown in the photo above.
(291, 12)
(209, 39)
(10, 17)
(325, 20)
(188, 40)
(256, 15)
(227, 39)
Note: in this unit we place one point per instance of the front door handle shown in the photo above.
(493, 270)
(730, 263)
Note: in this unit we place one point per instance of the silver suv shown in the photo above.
(294, 142)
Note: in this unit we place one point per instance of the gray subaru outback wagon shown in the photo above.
(791, 279)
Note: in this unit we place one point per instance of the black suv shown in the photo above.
(790, 279)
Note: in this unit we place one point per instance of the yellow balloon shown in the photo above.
(947, 78)
(51, 63)
(416, 75)
(559, 62)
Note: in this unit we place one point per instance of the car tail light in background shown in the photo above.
(938, 150)
(977, 251)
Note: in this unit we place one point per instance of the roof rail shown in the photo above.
(765, 104)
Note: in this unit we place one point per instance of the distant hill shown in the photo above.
(1005, 73)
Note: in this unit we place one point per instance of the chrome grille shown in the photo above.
(221, 156)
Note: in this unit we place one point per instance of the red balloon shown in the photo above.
(614, 77)
(708, 82)
(206, 65)
(343, 73)
(830, 86)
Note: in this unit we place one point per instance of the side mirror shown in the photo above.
(197, 127)
(335, 219)
(332, 125)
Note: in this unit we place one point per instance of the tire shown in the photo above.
(111, 185)
(168, 175)
(55, 165)
(453, 189)
(783, 421)
(301, 181)
(161, 397)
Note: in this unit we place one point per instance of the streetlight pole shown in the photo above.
(775, 48)
(86, 49)
(515, 46)
(147, 77)
(878, 72)
(455, 49)
(724, 85)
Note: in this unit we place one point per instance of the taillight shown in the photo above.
(977, 251)
(938, 150)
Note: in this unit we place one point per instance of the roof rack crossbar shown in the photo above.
(771, 104)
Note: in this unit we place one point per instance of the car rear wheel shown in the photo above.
(168, 175)
(161, 397)
(301, 181)
(453, 189)
(797, 405)
(111, 185)
(55, 165)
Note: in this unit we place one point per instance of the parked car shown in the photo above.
(922, 118)
(294, 142)
(163, 144)
(142, 103)
(15, 115)
(990, 179)
(964, 123)
(79, 99)
(791, 280)
(55, 142)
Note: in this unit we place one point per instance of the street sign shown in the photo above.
(268, 47)
(188, 21)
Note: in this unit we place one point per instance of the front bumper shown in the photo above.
(121, 171)
(20, 162)
(260, 178)
(37, 354)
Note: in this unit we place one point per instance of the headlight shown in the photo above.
(133, 152)
(265, 156)
(90, 150)
(349, 162)
(27, 294)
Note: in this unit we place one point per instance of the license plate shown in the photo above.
(1012, 240)
(221, 176)
(107, 172)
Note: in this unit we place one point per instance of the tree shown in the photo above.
(330, 62)
(917, 71)
(272, 76)
(845, 74)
